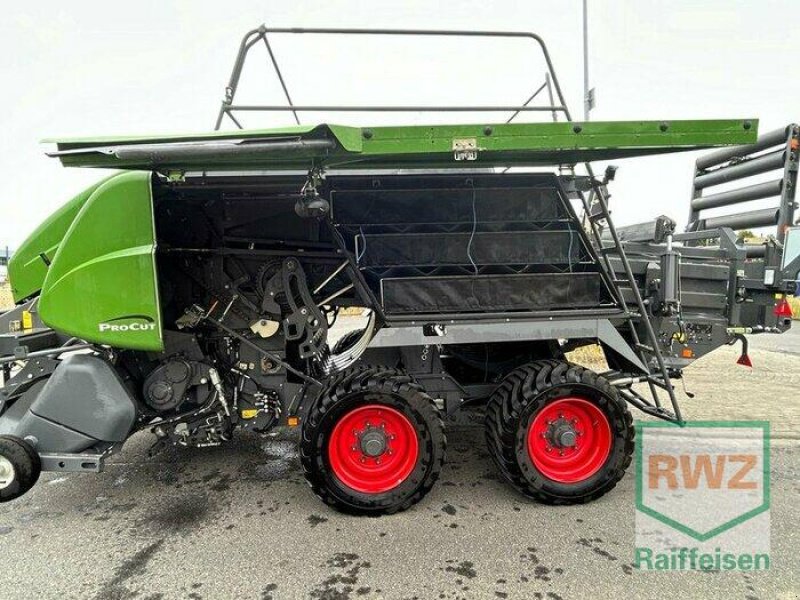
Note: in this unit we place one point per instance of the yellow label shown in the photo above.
(27, 320)
(249, 413)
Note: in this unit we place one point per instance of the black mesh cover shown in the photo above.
(421, 206)
(492, 293)
(488, 248)
(411, 233)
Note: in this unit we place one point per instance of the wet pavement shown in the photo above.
(240, 522)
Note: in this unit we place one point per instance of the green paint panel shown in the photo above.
(520, 144)
(28, 267)
(101, 285)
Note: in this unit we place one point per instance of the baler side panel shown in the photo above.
(101, 286)
(27, 269)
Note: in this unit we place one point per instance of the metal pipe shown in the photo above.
(587, 106)
(549, 85)
(40, 353)
(745, 194)
(773, 138)
(160, 154)
(755, 166)
(339, 108)
(236, 72)
(756, 250)
(346, 288)
(330, 277)
(263, 30)
(280, 77)
(528, 101)
(754, 218)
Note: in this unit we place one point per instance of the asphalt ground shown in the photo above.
(240, 522)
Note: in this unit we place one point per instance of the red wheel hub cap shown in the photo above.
(373, 448)
(569, 440)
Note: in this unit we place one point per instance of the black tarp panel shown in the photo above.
(492, 293)
(446, 206)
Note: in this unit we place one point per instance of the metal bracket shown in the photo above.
(465, 149)
(73, 463)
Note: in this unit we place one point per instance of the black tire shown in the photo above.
(513, 407)
(26, 464)
(363, 386)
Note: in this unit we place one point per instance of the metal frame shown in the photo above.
(253, 37)
(595, 206)
(778, 150)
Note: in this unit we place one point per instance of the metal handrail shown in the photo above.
(254, 36)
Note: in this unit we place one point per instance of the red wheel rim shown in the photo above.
(373, 449)
(549, 437)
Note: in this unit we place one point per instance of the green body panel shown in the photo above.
(101, 285)
(521, 144)
(28, 267)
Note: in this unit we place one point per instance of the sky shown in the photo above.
(104, 68)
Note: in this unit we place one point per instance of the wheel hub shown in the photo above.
(373, 442)
(7, 473)
(562, 434)
(373, 448)
(569, 440)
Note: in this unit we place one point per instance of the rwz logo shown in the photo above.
(686, 471)
(702, 496)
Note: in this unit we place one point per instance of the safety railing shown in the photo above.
(557, 104)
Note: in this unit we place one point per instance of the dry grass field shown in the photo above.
(794, 302)
(5, 296)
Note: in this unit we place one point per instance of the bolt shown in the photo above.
(549, 449)
(561, 453)
(377, 461)
(363, 460)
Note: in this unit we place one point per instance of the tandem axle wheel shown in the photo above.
(559, 433)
